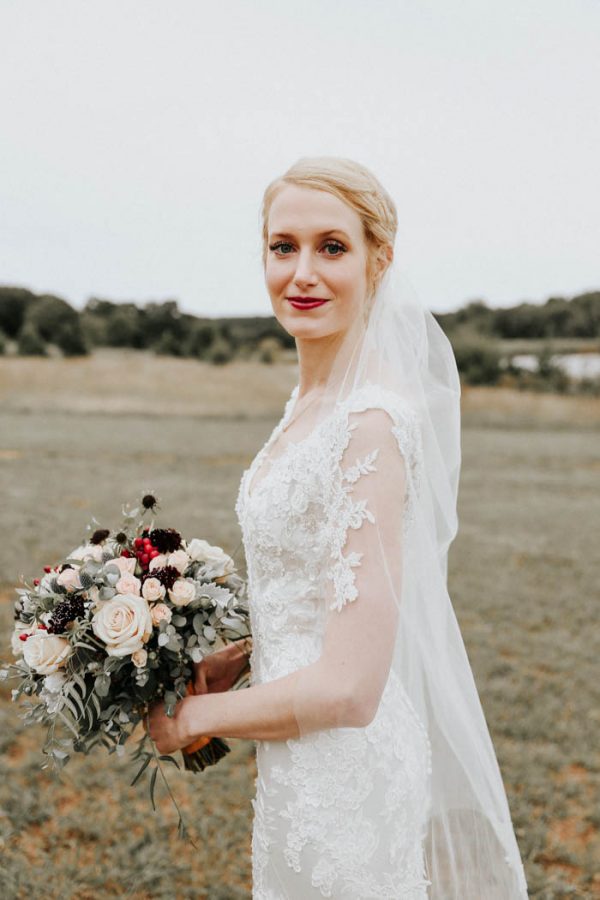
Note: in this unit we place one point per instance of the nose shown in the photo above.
(305, 272)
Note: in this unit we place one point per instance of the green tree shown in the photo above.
(14, 302)
(70, 339)
(48, 313)
(30, 341)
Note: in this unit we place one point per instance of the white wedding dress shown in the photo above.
(339, 812)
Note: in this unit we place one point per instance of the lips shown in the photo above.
(306, 302)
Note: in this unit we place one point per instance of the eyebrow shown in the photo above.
(286, 234)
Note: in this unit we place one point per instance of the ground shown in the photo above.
(80, 437)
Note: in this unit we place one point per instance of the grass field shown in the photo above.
(78, 437)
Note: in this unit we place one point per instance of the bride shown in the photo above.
(376, 777)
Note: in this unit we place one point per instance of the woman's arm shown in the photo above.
(265, 712)
(261, 712)
(343, 687)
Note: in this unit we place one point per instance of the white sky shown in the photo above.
(138, 137)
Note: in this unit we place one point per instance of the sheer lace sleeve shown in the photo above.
(375, 477)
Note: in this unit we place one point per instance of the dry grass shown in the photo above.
(138, 382)
(522, 578)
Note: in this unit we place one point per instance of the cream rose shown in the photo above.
(123, 623)
(139, 658)
(125, 564)
(46, 653)
(17, 645)
(217, 561)
(182, 592)
(179, 559)
(160, 612)
(128, 584)
(153, 590)
(158, 562)
(87, 551)
(69, 578)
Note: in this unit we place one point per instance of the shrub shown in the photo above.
(220, 352)
(30, 342)
(48, 313)
(198, 340)
(14, 302)
(69, 338)
(478, 360)
(168, 345)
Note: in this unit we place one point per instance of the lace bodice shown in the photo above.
(295, 524)
(340, 811)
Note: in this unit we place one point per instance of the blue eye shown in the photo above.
(335, 244)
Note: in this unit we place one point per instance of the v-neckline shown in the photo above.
(259, 459)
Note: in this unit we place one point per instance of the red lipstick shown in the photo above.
(306, 302)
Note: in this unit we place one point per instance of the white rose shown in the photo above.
(123, 623)
(179, 559)
(158, 562)
(87, 551)
(46, 653)
(69, 578)
(153, 590)
(128, 584)
(54, 682)
(93, 595)
(139, 658)
(182, 592)
(217, 561)
(125, 564)
(160, 612)
(16, 643)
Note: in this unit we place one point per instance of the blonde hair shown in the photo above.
(355, 185)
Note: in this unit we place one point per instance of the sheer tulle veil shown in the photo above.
(471, 849)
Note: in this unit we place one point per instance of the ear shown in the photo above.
(384, 258)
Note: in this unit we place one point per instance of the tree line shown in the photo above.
(33, 322)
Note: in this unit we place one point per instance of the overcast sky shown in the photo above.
(138, 137)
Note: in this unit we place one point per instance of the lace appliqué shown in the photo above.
(349, 513)
(338, 778)
(352, 799)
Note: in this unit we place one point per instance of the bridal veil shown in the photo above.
(397, 555)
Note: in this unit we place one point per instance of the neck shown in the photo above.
(322, 360)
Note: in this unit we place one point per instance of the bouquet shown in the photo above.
(117, 625)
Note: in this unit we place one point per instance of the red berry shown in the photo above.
(138, 542)
(154, 552)
(126, 553)
(47, 569)
(23, 637)
(36, 580)
(145, 559)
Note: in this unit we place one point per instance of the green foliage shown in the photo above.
(124, 327)
(477, 358)
(69, 337)
(578, 317)
(48, 314)
(30, 341)
(168, 345)
(220, 352)
(198, 339)
(14, 302)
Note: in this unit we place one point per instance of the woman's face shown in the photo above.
(316, 251)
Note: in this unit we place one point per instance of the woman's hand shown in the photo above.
(220, 670)
(169, 733)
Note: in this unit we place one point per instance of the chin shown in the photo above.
(301, 327)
